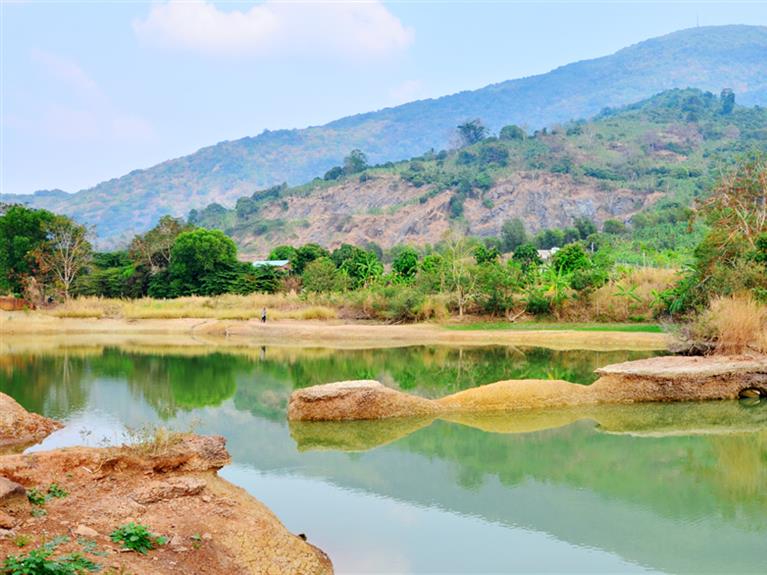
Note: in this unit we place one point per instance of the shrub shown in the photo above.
(137, 537)
(733, 325)
(39, 562)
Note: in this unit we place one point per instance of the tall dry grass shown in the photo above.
(278, 306)
(733, 325)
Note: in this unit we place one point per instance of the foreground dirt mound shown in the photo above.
(362, 399)
(19, 428)
(211, 526)
(660, 379)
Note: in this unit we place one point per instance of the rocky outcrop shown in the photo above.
(659, 379)
(362, 399)
(172, 488)
(19, 428)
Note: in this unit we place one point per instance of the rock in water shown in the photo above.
(362, 399)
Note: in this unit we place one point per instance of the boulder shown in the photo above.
(349, 400)
(679, 378)
(18, 427)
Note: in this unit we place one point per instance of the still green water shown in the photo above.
(654, 488)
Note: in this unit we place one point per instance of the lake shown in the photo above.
(631, 489)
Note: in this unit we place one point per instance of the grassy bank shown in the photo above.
(549, 326)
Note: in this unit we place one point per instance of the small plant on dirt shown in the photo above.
(39, 562)
(22, 540)
(55, 491)
(36, 497)
(137, 537)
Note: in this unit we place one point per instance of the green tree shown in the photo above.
(512, 132)
(485, 255)
(22, 231)
(355, 162)
(727, 99)
(570, 258)
(585, 227)
(513, 234)
(471, 132)
(405, 263)
(322, 276)
(308, 253)
(203, 262)
(527, 256)
(283, 253)
(614, 227)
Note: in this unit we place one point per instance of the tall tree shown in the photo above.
(471, 132)
(154, 249)
(513, 234)
(22, 232)
(65, 252)
(355, 162)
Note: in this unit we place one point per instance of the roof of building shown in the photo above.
(273, 263)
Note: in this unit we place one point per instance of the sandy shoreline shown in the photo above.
(18, 327)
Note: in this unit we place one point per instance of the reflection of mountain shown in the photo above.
(679, 503)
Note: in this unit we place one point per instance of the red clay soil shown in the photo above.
(211, 526)
(170, 485)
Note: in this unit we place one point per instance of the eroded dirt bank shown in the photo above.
(659, 379)
(321, 333)
(73, 499)
(19, 428)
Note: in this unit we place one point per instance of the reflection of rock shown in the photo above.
(18, 427)
(363, 399)
(659, 379)
(354, 435)
(639, 419)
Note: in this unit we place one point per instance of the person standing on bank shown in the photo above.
(263, 315)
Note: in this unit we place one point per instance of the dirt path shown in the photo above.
(336, 334)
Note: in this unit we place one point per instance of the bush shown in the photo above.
(137, 537)
(537, 303)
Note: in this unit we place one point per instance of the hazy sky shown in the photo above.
(93, 90)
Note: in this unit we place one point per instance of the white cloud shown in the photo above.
(354, 30)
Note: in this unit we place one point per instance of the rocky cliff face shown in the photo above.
(388, 211)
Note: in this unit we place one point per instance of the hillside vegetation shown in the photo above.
(639, 167)
(708, 58)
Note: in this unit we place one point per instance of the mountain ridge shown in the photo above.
(710, 58)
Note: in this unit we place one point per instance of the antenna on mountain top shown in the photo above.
(697, 20)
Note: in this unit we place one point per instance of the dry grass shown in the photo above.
(733, 325)
(233, 307)
(629, 297)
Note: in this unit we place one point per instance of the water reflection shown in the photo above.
(672, 488)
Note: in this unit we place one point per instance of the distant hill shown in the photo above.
(708, 58)
(642, 164)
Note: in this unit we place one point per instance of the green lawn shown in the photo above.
(628, 327)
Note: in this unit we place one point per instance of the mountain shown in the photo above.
(708, 58)
(642, 164)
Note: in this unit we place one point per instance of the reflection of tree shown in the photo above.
(54, 386)
(674, 476)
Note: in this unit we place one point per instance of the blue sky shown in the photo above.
(93, 90)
